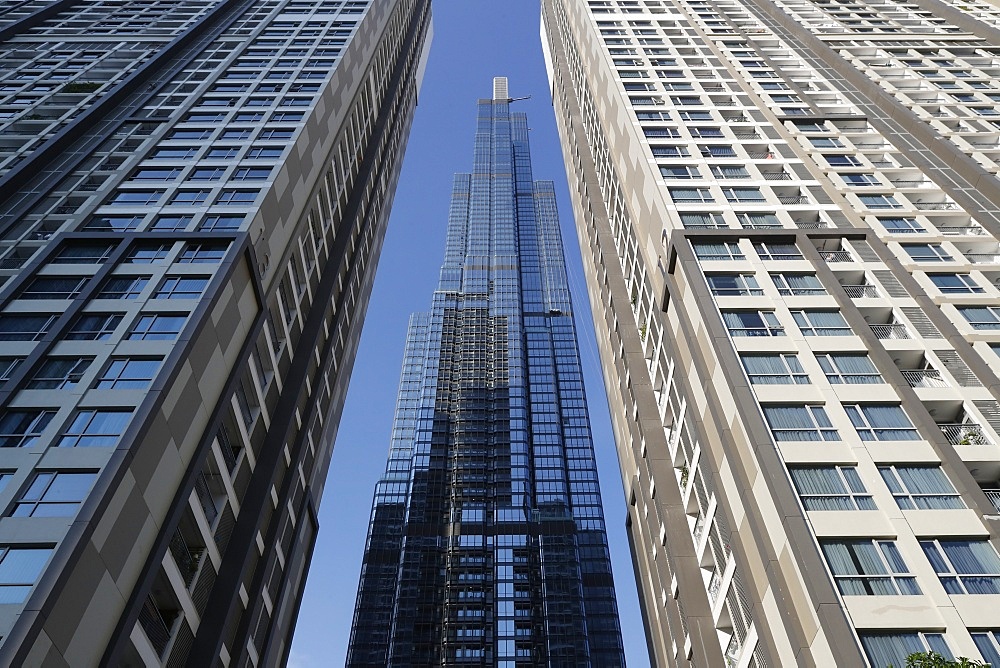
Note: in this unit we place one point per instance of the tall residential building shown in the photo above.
(788, 211)
(487, 543)
(193, 195)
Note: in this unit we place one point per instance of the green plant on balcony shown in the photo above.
(684, 475)
(935, 660)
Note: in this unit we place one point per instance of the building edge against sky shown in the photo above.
(787, 212)
(487, 538)
(192, 198)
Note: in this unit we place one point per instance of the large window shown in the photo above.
(775, 251)
(892, 649)
(800, 423)
(22, 428)
(900, 225)
(981, 317)
(688, 195)
(867, 567)
(729, 285)
(955, 283)
(95, 428)
(821, 323)
(881, 422)
(19, 570)
(831, 488)
(920, 487)
(54, 494)
(752, 323)
(849, 369)
(157, 327)
(181, 287)
(726, 250)
(128, 374)
(54, 287)
(59, 373)
(94, 327)
(988, 643)
(122, 287)
(878, 202)
(25, 326)
(926, 252)
(774, 369)
(798, 284)
(964, 566)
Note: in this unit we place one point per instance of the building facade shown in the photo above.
(193, 196)
(487, 543)
(788, 217)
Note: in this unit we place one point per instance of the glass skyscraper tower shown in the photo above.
(193, 195)
(487, 543)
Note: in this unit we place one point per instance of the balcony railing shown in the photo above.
(983, 258)
(954, 231)
(861, 291)
(912, 183)
(776, 176)
(884, 332)
(837, 256)
(924, 378)
(185, 557)
(155, 626)
(994, 496)
(936, 206)
(793, 199)
(737, 292)
(965, 434)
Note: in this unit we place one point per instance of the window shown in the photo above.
(147, 253)
(800, 423)
(93, 327)
(860, 180)
(155, 174)
(762, 220)
(181, 287)
(54, 287)
(825, 142)
(840, 160)
(920, 487)
(95, 428)
(688, 195)
(876, 202)
(774, 369)
(157, 327)
(752, 323)
(7, 367)
(727, 250)
(252, 174)
(19, 570)
(25, 326)
(128, 374)
(868, 567)
(171, 223)
(207, 174)
(881, 422)
(679, 172)
(849, 369)
(772, 251)
(981, 317)
(224, 152)
(705, 133)
(113, 223)
(955, 283)
(988, 643)
(717, 151)
(136, 197)
(22, 428)
(237, 197)
(59, 373)
(174, 153)
(122, 287)
(730, 172)
(892, 649)
(276, 134)
(670, 151)
(222, 223)
(83, 253)
(54, 494)
(688, 116)
(264, 152)
(926, 252)
(741, 195)
(821, 323)
(190, 197)
(708, 220)
(728, 285)
(203, 253)
(898, 225)
(797, 284)
(236, 134)
(831, 488)
(964, 566)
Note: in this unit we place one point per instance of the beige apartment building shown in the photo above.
(789, 214)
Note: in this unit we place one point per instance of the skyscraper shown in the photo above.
(788, 216)
(487, 543)
(193, 197)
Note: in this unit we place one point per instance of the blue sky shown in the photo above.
(474, 40)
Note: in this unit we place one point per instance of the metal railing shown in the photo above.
(757, 331)
(924, 378)
(968, 433)
(936, 206)
(860, 291)
(983, 258)
(884, 332)
(793, 199)
(776, 176)
(954, 230)
(837, 256)
(154, 625)
(185, 557)
(915, 183)
(994, 496)
(208, 504)
(737, 292)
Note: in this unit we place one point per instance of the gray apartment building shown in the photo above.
(788, 211)
(193, 195)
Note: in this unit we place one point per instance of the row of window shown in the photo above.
(809, 422)
(114, 287)
(914, 487)
(91, 326)
(22, 428)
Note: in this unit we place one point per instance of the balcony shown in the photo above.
(968, 433)
(983, 258)
(994, 496)
(837, 256)
(924, 378)
(890, 331)
(793, 199)
(861, 291)
(959, 230)
(936, 206)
